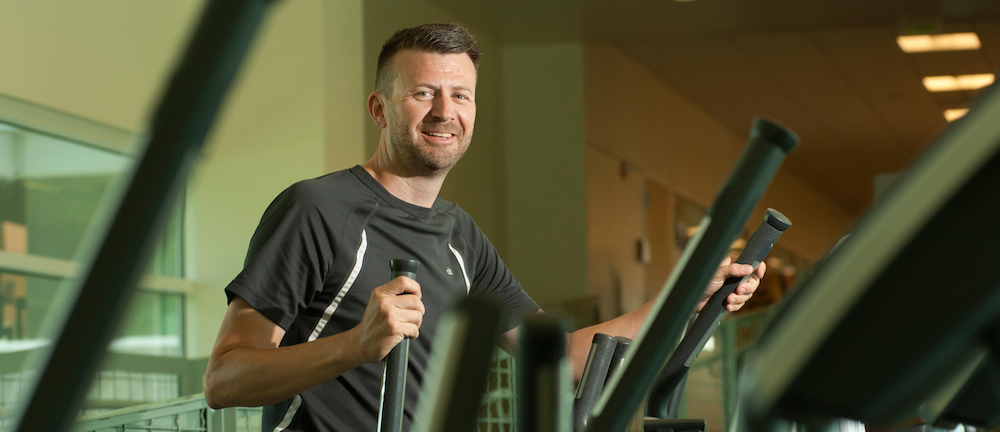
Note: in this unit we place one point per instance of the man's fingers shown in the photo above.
(406, 323)
(407, 302)
(740, 269)
(402, 285)
(736, 299)
(748, 286)
(406, 316)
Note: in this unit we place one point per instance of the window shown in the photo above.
(58, 176)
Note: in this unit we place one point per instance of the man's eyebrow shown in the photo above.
(427, 85)
(434, 87)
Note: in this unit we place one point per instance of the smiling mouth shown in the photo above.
(438, 134)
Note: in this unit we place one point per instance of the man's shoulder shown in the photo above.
(464, 224)
(456, 211)
(338, 185)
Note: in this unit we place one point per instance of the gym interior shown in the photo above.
(605, 133)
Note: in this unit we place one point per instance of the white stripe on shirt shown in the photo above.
(287, 419)
(461, 263)
(327, 314)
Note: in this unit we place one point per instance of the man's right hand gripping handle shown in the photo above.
(394, 312)
(390, 415)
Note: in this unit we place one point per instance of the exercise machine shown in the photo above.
(905, 310)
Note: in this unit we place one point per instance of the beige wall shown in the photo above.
(270, 135)
(616, 221)
(636, 117)
(104, 61)
(345, 92)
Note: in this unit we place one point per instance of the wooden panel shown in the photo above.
(662, 236)
(615, 223)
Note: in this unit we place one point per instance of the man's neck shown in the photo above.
(414, 189)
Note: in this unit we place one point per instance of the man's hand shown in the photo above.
(743, 292)
(394, 312)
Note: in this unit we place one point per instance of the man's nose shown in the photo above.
(443, 108)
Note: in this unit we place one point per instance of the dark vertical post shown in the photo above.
(390, 411)
(759, 162)
(176, 135)
(460, 365)
(711, 315)
(543, 378)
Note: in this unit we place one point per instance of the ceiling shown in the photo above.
(828, 69)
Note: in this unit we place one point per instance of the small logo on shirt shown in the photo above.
(448, 270)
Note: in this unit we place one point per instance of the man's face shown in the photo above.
(431, 110)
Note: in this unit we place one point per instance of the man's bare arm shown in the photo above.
(628, 325)
(247, 368)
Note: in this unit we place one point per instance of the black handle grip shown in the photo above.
(712, 313)
(754, 252)
(618, 359)
(595, 372)
(404, 267)
(390, 413)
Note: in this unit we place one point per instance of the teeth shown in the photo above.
(439, 134)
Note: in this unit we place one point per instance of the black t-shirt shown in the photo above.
(323, 245)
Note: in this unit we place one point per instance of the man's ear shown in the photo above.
(376, 109)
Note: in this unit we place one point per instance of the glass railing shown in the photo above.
(188, 414)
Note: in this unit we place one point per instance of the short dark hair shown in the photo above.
(434, 38)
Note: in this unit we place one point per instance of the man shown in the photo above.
(314, 311)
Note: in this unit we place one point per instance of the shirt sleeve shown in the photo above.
(288, 259)
(492, 279)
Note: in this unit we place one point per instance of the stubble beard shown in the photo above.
(420, 158)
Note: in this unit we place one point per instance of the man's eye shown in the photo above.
(462, 96)
(423, 94)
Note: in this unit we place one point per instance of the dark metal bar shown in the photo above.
(543, 391)
(622, 345)
(390, 408)
(595, 372)
(177, 133)
(711, 315)
(451, 399)
(759, 162)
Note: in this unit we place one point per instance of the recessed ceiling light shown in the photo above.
(957, 82)
(939, 42)
(955, 114)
